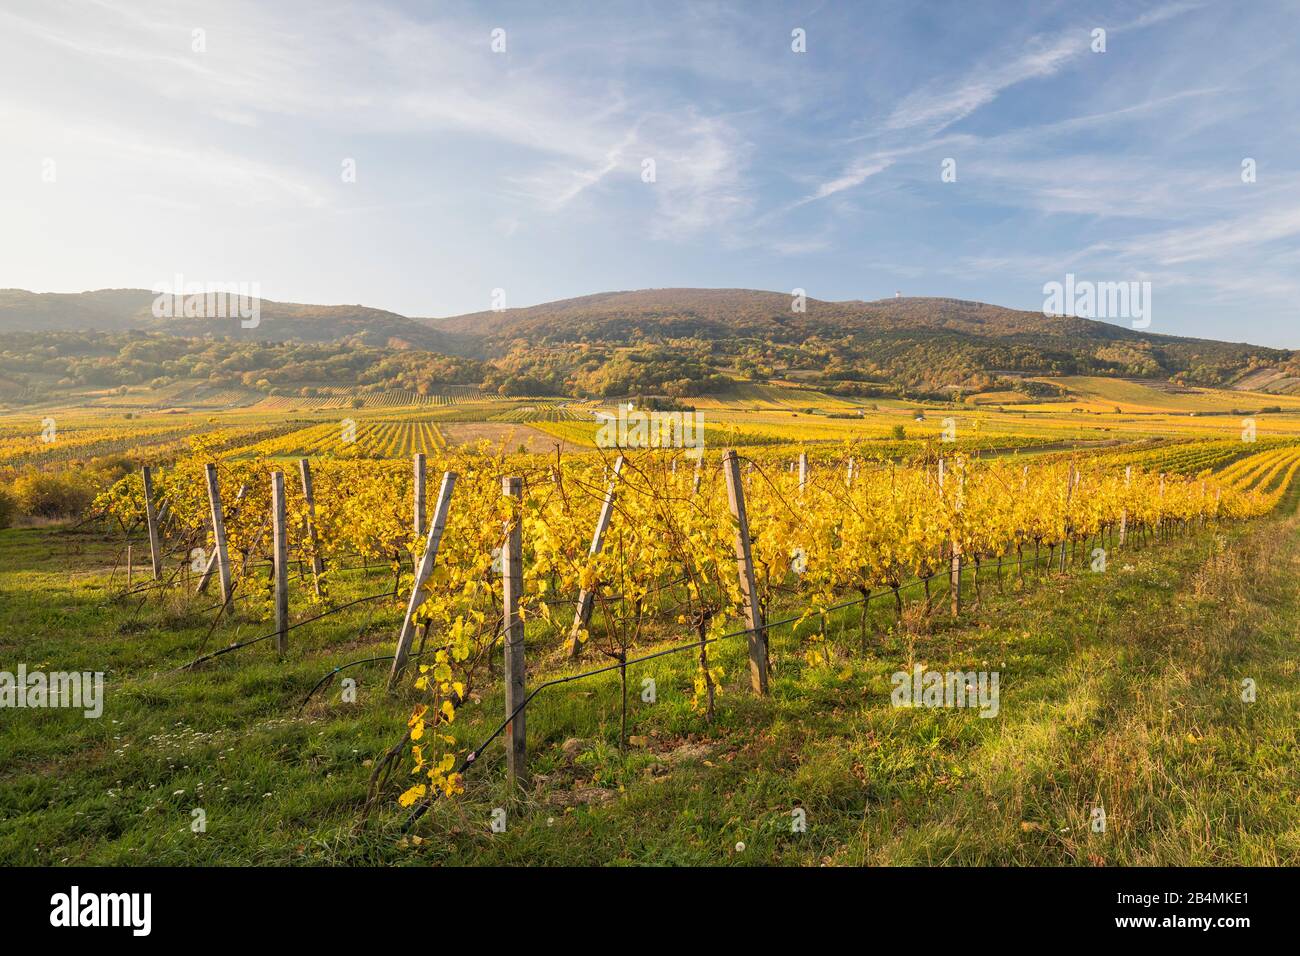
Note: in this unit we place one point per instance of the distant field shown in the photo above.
(756, 397)
(1106, 394)
(397, 424)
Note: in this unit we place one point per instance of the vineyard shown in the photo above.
(539, 413)
(367, 439)
(535, 631)
(598, 556)
(840, 436)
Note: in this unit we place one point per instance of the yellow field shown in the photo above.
(397, 424)
(1107, 394)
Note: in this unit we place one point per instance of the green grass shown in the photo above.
(1119, 689)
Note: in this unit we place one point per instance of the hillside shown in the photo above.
(908, 346)
(722, 313)
(688, 342)
(919, 344)
(118, 310)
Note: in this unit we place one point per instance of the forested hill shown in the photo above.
(677, 342)
(121, 310)
(918, 343)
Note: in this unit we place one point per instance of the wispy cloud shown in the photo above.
(855, 175)
(940, 104)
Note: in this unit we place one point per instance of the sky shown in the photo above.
(555, 150)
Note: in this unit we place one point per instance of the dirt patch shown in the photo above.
(512, 433)
(580, 796)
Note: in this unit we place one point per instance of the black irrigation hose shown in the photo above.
(297, 577)
(424, 806)
(264, 637)
(342, 667)
(472, 756)
(163, 585)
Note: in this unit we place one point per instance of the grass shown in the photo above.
(1120, 689)
(1103, 394)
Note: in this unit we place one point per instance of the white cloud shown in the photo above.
(856, 174)
(940, 104)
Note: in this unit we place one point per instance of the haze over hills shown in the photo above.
(119, 310)
(686, 341)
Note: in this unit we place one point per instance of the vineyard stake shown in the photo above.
(954, 580)
(1123, 515)
(419, 495)
(512, 568)
(309, 494)
(954, 556)
(1160, 522)
(212, 558)
(803, 471)
(151, 519)
(422, 572)
(587, 595)
(281, 569)
(219, 532)
(745, 566)
(1065, 537)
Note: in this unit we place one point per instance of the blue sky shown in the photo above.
(522, 170)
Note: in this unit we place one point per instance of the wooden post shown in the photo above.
(699, 463)
(1161, 520)
(745, 567)
(803, 471)
(151, 519)
(280, 538)
(587, 596)
(1065, 537)
(313, 536)
(954, 555)
(130, 568)
(419, 495)
(1123, 515)
(512, 566)
(219, 533)
(954, 579)
(954, 571)
(212, 558)
(848, 477)
(422, 572)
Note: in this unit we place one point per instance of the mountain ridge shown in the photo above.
(679, 340)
